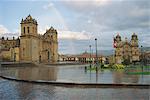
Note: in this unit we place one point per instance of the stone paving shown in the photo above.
(73, 74)
(12, 90)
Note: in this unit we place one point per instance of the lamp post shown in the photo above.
(90, 56)
(96, 53)
(142, 57)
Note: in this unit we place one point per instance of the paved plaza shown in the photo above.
(12, 90)
(20, 90)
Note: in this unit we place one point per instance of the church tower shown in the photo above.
(134, 48)
(118, 51)
(54, 45)
(127, 51)
(50, 48)
(29, 26)
(29, 39)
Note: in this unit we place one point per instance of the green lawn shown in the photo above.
(128, 69)
(138, 73)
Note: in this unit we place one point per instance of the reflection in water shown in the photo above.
(24, 90)
(34, 73)
(121, 77)
(74, 74)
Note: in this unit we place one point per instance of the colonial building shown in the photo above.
(33, 46)
(83, 58)
(87, 58)
(126, 50)
(10, 49)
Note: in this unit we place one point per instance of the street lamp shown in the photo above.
(142, 57)
(90, 56)
(141, 54)
(96, 49)
(96, 53)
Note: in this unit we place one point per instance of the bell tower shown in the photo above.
(118, 50)
(29, 40)
(54, 44)
(29, 26)
(134, 48)
(134, 40)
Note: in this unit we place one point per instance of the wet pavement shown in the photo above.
(17, 90)
(74, 74)
(12, 90)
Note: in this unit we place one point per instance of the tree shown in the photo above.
(126, 61)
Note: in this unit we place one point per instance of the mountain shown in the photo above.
(106, 52)
(144, 49)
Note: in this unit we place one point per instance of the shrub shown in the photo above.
(118, 66)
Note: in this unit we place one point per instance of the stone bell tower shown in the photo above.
(134, 48)
(118, 51)
(29, 26)
(54, 45)
(29, 39)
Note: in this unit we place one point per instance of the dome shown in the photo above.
(134, 36)
(118, 36)
(28, 19)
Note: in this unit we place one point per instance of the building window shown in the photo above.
(28, 29)
(24, 30)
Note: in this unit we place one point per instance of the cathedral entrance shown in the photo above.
(14, 57)
(40, 58)
(48, 56)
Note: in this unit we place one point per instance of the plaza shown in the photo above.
(43, 83)
(74, 50)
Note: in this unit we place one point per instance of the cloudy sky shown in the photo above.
(79, 22)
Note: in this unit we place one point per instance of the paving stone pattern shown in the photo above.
(12, 90)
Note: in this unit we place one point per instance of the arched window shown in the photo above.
(24, 30)
(28, 29)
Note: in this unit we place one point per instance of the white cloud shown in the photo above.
(141, 12)
(42, 30)
(87, 3)
(48, 6)
(65, 34)
(3, 29)
(6, 33)
(101, 2)
(51, 17)
(73, 35)
(89, 21)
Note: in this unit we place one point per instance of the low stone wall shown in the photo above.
(18, 64)
(81, 85)
(66, 63)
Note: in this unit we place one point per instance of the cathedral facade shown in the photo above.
(126, 50)
(33, 46)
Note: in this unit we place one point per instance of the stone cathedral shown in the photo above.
(32, 46)
(127, 50)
